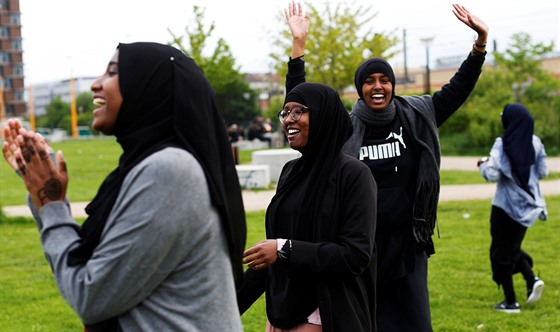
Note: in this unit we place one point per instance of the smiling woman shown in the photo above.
(107, 95)
(295, 123)
(176, 161)
(396, 137)
(317, 264)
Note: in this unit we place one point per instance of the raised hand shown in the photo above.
(297, 20)
(472, 21)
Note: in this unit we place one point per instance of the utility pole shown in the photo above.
(31, 109)
(73, 113)
(405, 61)
(2, 106)
(427, 42)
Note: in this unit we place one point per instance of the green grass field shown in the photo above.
(461, 288)
(89, 162)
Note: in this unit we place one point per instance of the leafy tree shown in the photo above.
(339, 40)
(515, 77)
(236, 99)
(57, 116)
(85, 107)
(58, 113)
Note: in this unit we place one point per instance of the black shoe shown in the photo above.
(535, 292)
(508, 308)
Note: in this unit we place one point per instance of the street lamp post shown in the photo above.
(427, 42)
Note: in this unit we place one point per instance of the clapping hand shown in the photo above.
(28, 154)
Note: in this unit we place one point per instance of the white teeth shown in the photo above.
(293, 131)
(377, 96)
(99, 101)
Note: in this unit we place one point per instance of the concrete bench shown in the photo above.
(253, 176)
(251, 145)
(275, 159)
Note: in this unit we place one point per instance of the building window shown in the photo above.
(7, 83)
(19, 95)
(15, 19)
(10, 110)
(5, 57)
(16, 44)
(18, 70)
(4, 32)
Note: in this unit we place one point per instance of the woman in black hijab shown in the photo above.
(317, 265)
(166, 230)
(517, 162)
(396, 136)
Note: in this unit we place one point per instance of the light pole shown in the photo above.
(427, 42)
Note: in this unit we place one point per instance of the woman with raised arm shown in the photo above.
(397, 138)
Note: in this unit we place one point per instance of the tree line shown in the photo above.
(341, 38)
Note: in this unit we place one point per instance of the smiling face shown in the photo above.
(377, 91)
(297, 132)
(107, 95)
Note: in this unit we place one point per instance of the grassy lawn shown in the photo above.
(461, 288)
(88, 161)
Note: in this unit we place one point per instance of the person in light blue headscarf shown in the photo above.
(517, 161)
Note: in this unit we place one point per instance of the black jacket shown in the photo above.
(336, 273)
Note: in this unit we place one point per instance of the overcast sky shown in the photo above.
(72, 37)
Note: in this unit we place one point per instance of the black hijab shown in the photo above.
(373, 66)
(167, 101)
(518, 142)
(329, 128)
(302, 192)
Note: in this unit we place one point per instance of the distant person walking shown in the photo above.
(517, 162)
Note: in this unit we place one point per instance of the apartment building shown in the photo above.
(12, 89)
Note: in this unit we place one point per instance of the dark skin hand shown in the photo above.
(261, 255)
(10, 147)
(28, 153)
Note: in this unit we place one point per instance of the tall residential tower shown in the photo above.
(12, 90)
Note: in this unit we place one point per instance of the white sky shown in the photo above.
(72, 37)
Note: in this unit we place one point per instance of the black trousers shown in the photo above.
(404, 304)
(506, 256)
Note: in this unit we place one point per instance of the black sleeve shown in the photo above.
(296, 73)
(253, 286)
(352, 251)
(453, 94)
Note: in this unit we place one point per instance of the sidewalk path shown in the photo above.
(258, 200)
(469, 163)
